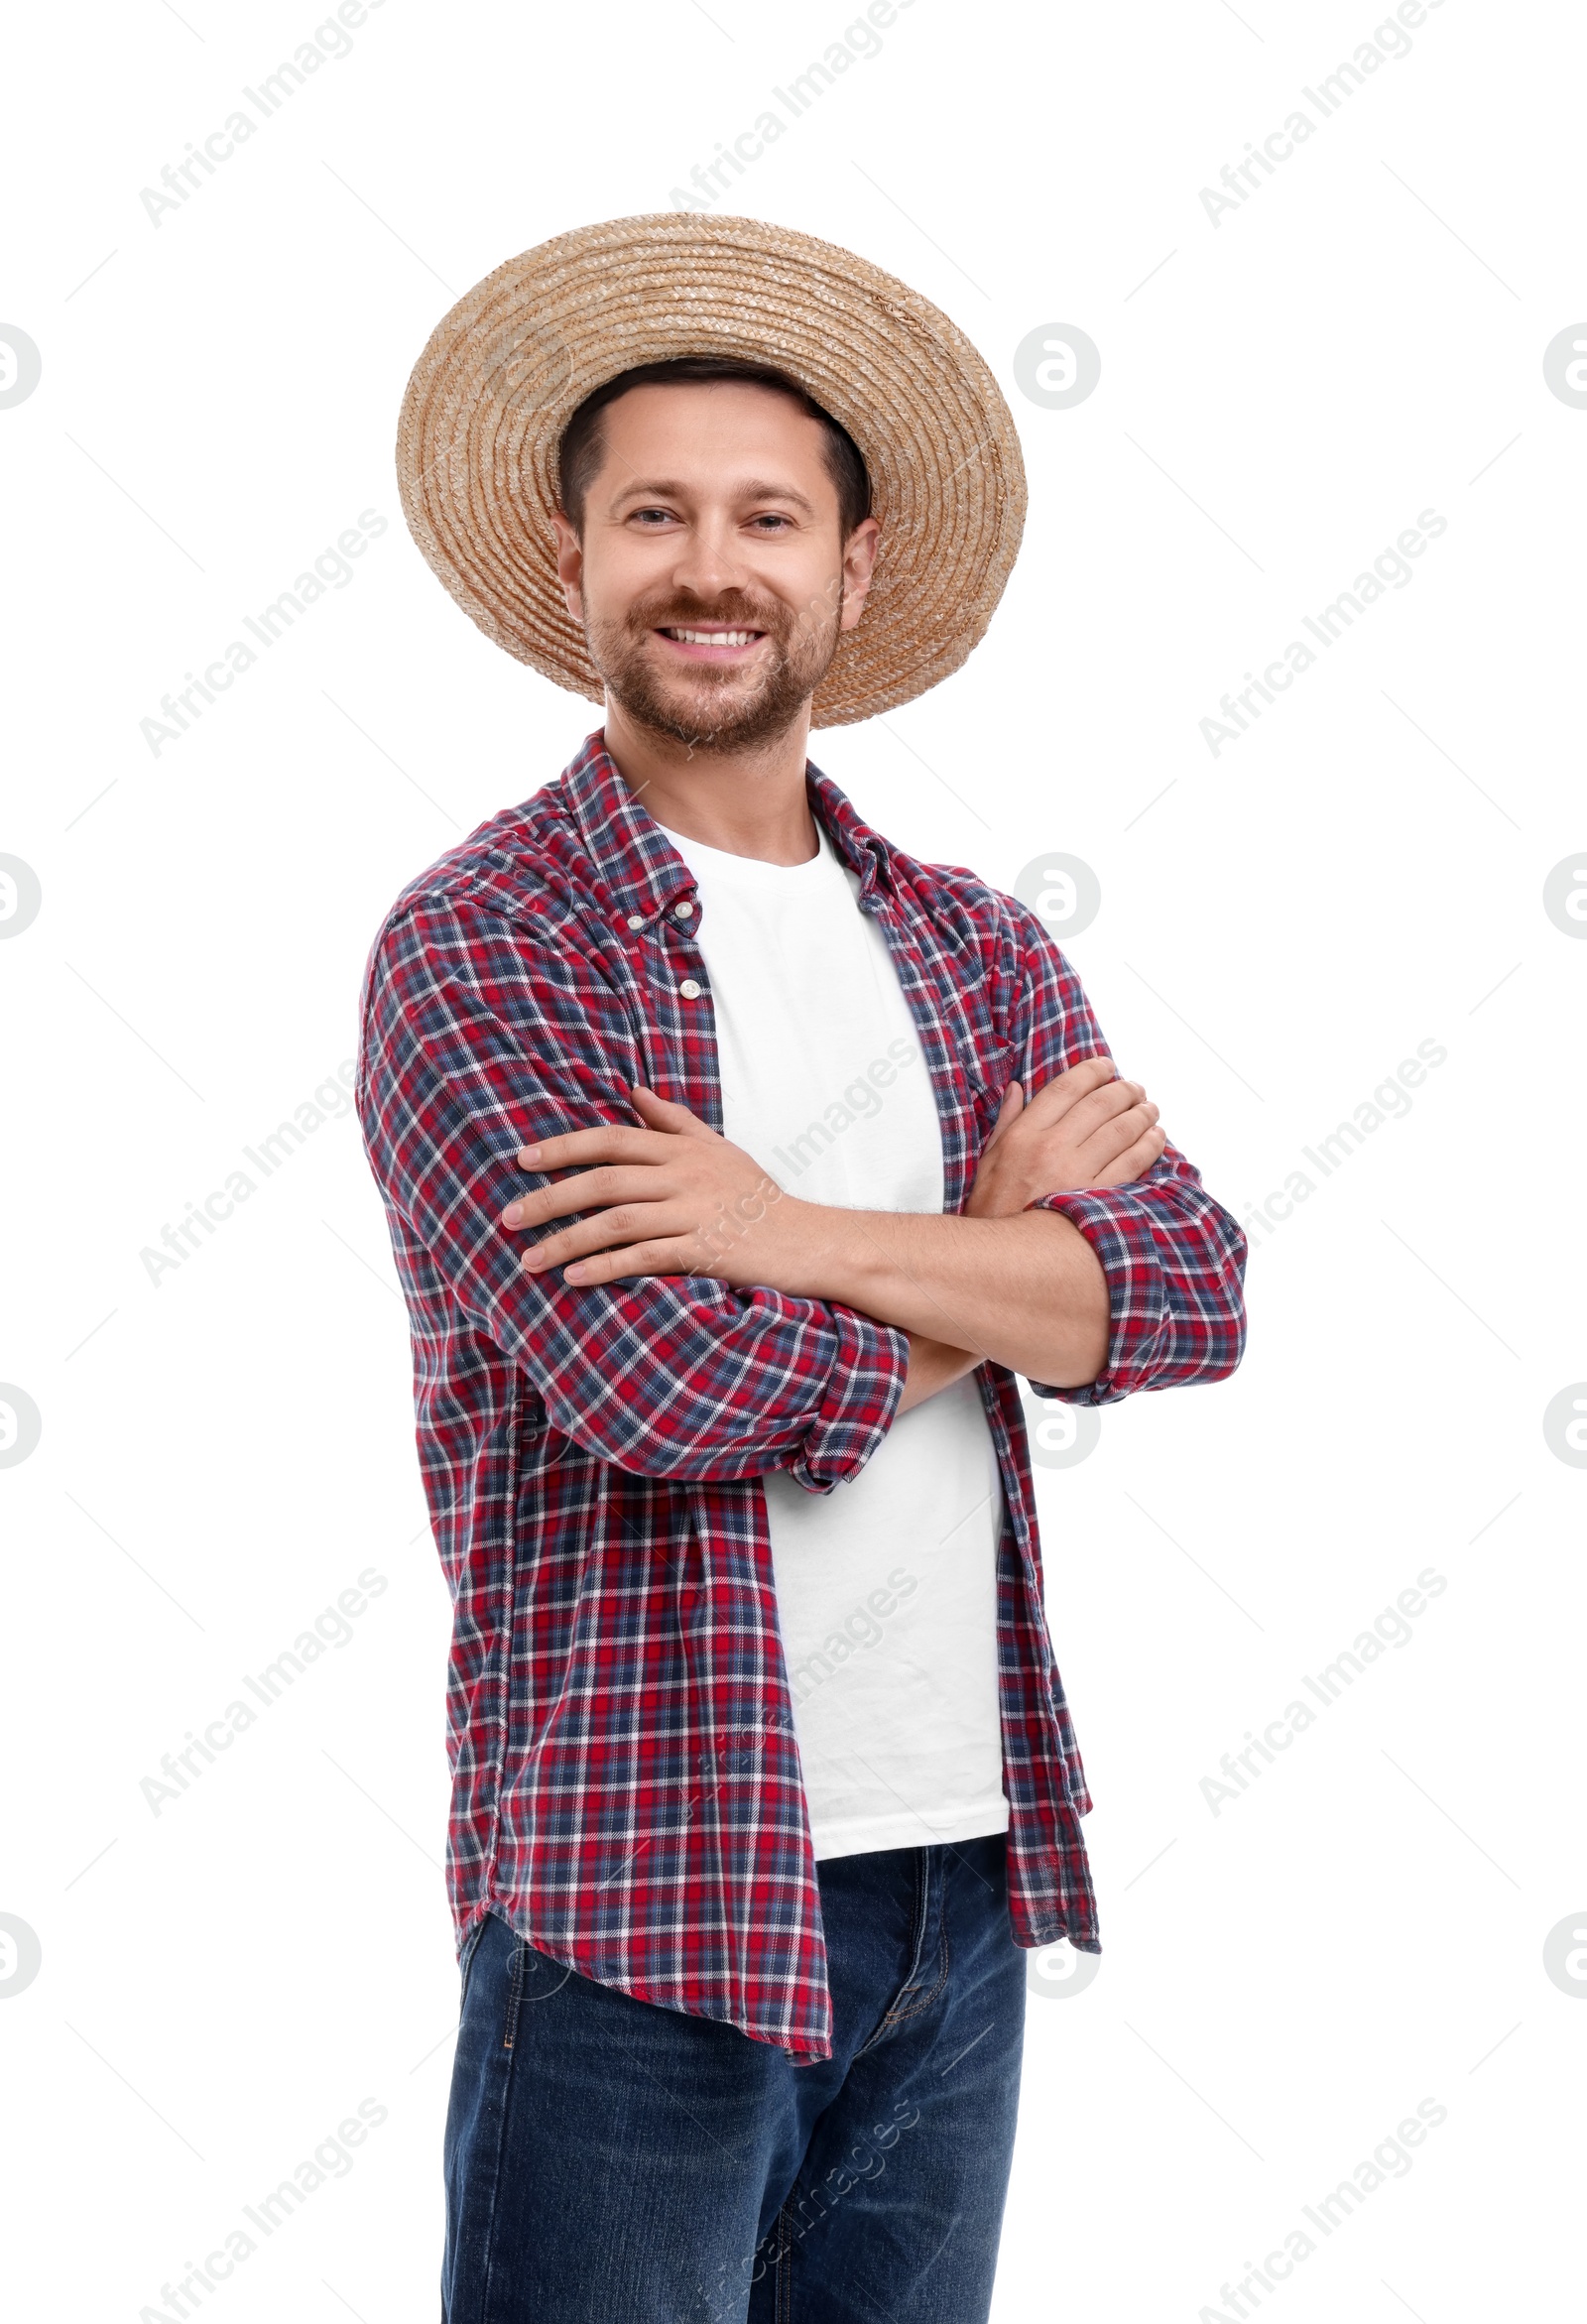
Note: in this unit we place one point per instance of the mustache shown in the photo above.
(733, 610)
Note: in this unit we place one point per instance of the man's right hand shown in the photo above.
(1083, 1128)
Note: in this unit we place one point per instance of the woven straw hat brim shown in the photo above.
(503, 372)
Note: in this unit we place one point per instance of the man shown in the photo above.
(736, 1164)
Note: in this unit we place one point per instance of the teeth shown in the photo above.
(713, 636)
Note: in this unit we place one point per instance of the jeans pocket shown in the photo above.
(532, 1977)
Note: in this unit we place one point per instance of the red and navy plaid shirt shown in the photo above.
(625, 1783)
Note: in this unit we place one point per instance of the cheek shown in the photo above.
(806, 575)
(623, 573)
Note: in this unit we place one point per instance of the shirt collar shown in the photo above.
(646, 873)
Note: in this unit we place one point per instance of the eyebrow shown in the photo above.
(757, 488)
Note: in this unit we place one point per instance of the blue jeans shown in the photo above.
(612, 2162)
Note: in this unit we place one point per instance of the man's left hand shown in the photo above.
(672, 1198)
(676, 1199)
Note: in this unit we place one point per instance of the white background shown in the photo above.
(1282, 394)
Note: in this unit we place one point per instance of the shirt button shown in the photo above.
(683, 910)
(636, 919)
(690, 989)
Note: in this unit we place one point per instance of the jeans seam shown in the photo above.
(785, 2286)
(471, 1946)
(514, 1987)
(893, 2016)
(898, 2017)
(506, 2056)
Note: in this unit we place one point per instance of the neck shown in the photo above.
(743, 803)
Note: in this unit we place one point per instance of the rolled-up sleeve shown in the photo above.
(1173, 1256)
(1174, 1261)
(474, 1043)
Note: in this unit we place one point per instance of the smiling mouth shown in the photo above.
(712, 641)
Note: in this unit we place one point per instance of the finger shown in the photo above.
(1101, 1105)
(1055, 1097)
(1134, 1161)
(590, 1190)
(1076, 1129)
(611, 1141)
(662, 1114)
(1110, 1107)
(676, 1256)
(604, 1231)
(1008, 1111)
(1115, 1136)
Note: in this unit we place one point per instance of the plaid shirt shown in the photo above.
(625, 1783)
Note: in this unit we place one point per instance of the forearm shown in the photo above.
(683, 1377)
(1026, 1292)
(933, 1366)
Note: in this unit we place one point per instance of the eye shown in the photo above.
(772, 518)
(645, 517)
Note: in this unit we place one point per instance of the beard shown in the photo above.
(718, 707)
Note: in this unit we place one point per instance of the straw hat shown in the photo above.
(504, 371)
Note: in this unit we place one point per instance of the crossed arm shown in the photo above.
(1022, 1288)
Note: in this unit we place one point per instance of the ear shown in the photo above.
(859, 561)
(570, 566)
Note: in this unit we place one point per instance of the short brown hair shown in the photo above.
(578, 455)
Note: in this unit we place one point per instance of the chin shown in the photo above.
(703, 712)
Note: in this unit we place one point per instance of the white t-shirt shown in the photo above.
(887, 1586)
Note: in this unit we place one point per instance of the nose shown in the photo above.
(709, 560)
